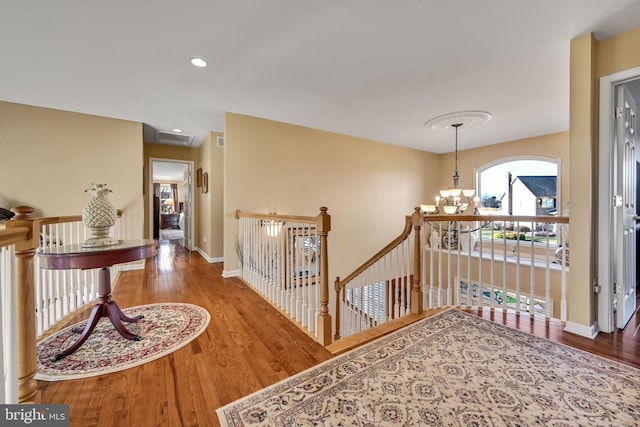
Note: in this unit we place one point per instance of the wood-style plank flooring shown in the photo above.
(247, 346)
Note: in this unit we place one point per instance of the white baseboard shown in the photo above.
(230, 273)
(582, 330)
(208, 258)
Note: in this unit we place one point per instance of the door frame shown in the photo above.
(606, 158)
(190, 211)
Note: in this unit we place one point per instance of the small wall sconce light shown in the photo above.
(272, 227)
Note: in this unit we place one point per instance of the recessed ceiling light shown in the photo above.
(199, 62)
(176, 130)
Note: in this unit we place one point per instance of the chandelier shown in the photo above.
(455, 200)
(451, 198)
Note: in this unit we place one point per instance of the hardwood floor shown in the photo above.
(247, 346)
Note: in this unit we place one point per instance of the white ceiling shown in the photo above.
(376, 69)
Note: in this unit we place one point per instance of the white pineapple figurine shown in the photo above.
(99, 216)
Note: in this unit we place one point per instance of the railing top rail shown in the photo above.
(489, 218)
(68, 218)
(10, 236)
(405, 232)
(291, 218)
(60, 219)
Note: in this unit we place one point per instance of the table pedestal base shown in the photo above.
(105, 308)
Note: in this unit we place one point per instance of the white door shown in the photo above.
(188, 208)
(625, 215)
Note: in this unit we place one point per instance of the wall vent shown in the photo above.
(220, 141)
(174, 138)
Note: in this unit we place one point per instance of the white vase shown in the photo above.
(99, 216)
(467, 241)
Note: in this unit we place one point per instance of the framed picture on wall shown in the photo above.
(199, 177)
(205, 182)
(144, 179)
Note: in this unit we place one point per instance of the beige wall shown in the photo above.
(554, 146)
(618, 53)
(582, 124)
(203, 233)
(590, 60)
(216, 189)
(209, 235)
(367, 186)
(49, 157)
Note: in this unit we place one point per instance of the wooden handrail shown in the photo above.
(493, 218)
(273, 216)
(340, 284)
(68, 218)
(395, 242)
(60, 219)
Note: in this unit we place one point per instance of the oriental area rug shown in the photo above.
(451, 369)
(165, 328)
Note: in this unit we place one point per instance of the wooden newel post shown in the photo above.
(25, 306)
(336, 285)
(324, 318)
(417, 220)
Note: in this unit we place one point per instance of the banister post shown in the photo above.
(324, 318)
(336, 286)
(417, 220)
(25, 306)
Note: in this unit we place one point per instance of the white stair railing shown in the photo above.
(284, 259)
(379, 290)
(502, 262)
(505, 262)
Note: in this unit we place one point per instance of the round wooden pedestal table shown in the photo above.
(77, 257)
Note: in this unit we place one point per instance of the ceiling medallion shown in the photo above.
(466, 118)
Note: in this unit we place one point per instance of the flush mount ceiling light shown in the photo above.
(176, 130)
(199, 62)
(463, 118)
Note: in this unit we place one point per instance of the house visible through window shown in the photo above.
(520, 187)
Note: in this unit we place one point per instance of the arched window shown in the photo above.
(520, 186)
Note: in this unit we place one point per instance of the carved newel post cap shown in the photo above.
(23, 212)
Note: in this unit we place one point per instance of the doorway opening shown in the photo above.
(171, 210)
(618, 210)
